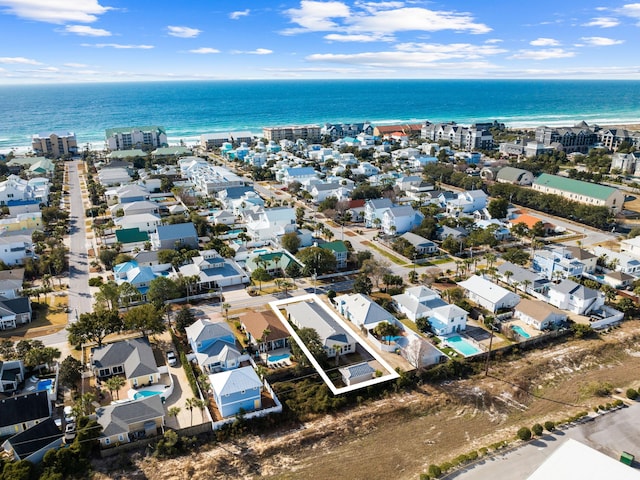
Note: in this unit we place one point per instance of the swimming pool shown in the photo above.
(278, 358)
(44, 384)
(463, 346)
(165, 391)
(520, 331)
(145, 393)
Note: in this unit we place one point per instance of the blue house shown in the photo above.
(178, 234)
(214, 346)
(552, 264)
(236, 390)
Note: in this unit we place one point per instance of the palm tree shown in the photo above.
(114, 384)
(173, 411)
(201, 404)
(226, 307)
(526, 284)
(508, 274)
(191, 403)
(265, 334)
(338, 350)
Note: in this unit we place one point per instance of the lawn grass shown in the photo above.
(393, 258)
(410, 325)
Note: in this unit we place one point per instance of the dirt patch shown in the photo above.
(399, 436)
(634, 204)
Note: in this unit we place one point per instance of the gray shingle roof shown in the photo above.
(135, 354)
(116, 418)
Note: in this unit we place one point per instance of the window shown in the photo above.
(107, 441)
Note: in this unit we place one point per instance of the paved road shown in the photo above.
(611, 434)
(80, 300)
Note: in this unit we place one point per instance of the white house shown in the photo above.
(421, 244)
(569, 295)
(145, 222)
(398, 220)
(362, 311)
(15, 248)
(213, 271)
(135, 208)
(422, 302)
(374, 209)
(298, 174)
(618, 261)
(15, 188)
(489, 295)
(113, 176)
(467, 202)
(265, 225)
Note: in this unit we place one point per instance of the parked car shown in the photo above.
(70, 432)
(172, 360)
(68, 415)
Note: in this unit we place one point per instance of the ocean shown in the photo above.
(189, 109)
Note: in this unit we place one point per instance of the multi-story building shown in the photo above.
(127, 138)
(336, 131)
(210, 141)
(579, 138)
(611, 138)
(55, 144)
(293, 132)
(475, 137)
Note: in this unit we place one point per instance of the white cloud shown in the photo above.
(86, 31)
(602, 22)
(358, 37)
(600, 41)
(545, 54)
(75, 65)
(257, 51)
(56, 11)
(183, 32)
(117, 46)
(544, 42)
(381, 19)
(204, 50)
(18, 61)
(630, 10)
(239, 13)
(493, 40)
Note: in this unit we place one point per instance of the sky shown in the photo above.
(70, 41)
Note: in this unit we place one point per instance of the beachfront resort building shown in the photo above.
(127, 138)
(292, 132)
(581, 192)
(209, 141)
(579, 138)
(55, 144)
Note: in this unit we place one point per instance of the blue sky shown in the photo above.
(51, 41)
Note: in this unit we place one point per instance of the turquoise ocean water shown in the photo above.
(188, 109)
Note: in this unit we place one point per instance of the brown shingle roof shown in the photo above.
(257, 322)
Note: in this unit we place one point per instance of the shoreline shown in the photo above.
(194, 140)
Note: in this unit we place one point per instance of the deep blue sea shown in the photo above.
(188, 109)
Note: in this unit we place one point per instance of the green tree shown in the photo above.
(107, 256)
(190, 404)
(293, 270)
(145, 318)
(162, 289)
(524, 434)
(108, 295)
(375, 269)
(316, 260)
(114, 384)
(94, 327)
(362, 284)
(311, 340)
(260, 275)
(291, 242)
(498, 208)
(184, 318)
(537, 429)
(70, 372)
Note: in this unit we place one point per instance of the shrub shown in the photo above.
(549, 426)
(434, 471)
(471, 456)
(618, 403)
(446, 466)
(524, 434)
(95, 281)
(483, 451)
(537, 429)
(425, 476)
(632, 394)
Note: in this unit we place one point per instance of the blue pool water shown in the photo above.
(278, 358)
(261, 250)
(461, 345)
(44, 385)
(520, 331)
(146, 393)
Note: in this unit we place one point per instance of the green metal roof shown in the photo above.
(337, 246)
(171, 151)
(149, 128)
(136, 152)
(579, 187)
(131, 235)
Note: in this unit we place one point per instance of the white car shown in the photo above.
(68, 414)
(172, 360)
(70, 431)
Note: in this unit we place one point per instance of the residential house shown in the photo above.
(15, 188)
(358, 373)
(515, 176)
(421, 353)
(249, 200)
(144, 222)
(21, 412)
(177, 235)
(626, 163)
(224, 217)
(489, 295)
(275, 263)
(133, 358)
(581, 192)
(556, 263)
(265, 225)
(321, 191)
(214, 345)
(213, 271)
(457, 233)
(135, 208)
(522, 278)
(127, 138)
(618, 261)
(14, 312)
(55, 144)
(298, 174)
(631, 246)
(12, 374)
(398, 220)
(264, 330)
(11, 282)
(339, 250)
(467, 202)
(417, 302)
(373, 211)
(109, 177)
(586, 258)
(21, 222)
(32, 444)
(130, 421)
(207, 178)
(569, 295)
(362, 311)
(618, 279)
(236, 390)
(139, 277)
(126, 194)
(530, 221)
(421, 244)
(15, 248)
(131, 239)
(538, 314)
(335, 339)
